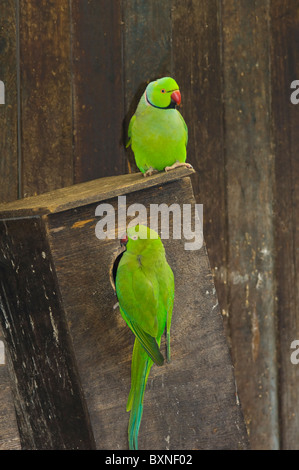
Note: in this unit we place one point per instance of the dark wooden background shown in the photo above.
(74, 71)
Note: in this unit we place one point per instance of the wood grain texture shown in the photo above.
(46, 100)
(48, 399)
(87, 193)
(189, 403)
(97, 79)
(147, 52)
(250, 181)
(196, 56)
(285, 121)
(9, 435)
(8, 111)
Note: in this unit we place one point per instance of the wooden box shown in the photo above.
(69, 349)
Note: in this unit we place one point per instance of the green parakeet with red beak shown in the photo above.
(157, 131)
(145, 290)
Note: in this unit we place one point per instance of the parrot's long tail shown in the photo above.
(141, 366)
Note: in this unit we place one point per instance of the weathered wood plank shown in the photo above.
(9, 435)
(196, 57)
(8, 111)
(250, 177)
(87, 193)
(147, 51)
(189, 403)
(47, 393)
(285, 123)
(97, 77)
(46, 100)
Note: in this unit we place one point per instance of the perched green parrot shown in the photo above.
(145, 290)
(157, 132)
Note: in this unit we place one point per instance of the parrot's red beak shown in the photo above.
(176, 96)
(124, 240)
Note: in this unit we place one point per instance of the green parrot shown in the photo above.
(157, 132)
(145, 291)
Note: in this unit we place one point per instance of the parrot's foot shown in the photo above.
(151, 171)
(177, 165)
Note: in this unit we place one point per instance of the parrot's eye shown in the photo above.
(163, 91)
(134, 237)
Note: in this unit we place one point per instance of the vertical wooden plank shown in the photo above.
(196, 55)
(250, 180)
(147, 51)
(50, 406)
(9, 436)
(285, 69)
(8, 111)
(47, 151)
(97, 89)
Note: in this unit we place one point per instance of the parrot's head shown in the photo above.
(140, 238)
(163, 93)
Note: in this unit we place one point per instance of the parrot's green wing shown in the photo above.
(130, 130)
(148, 342)
(185, 126)
(138, 302)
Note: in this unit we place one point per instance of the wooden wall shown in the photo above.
(74, 71)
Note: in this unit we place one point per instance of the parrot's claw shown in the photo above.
(151, 171)
(177, 165)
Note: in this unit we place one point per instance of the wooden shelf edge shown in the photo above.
(81, 194)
